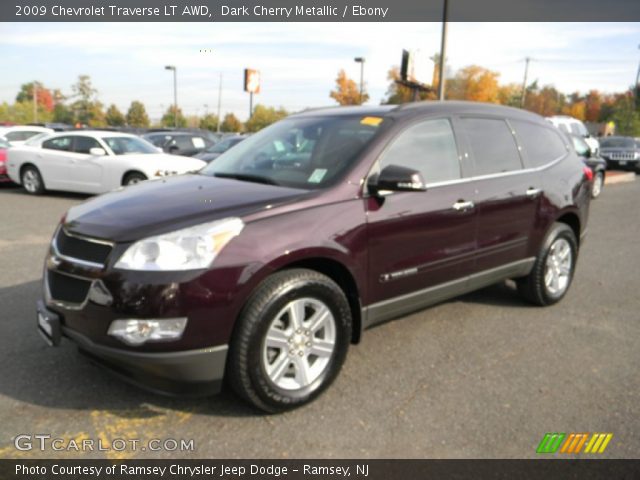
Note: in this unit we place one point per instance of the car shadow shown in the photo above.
(12, 189)
(61, 378)
(503, 294)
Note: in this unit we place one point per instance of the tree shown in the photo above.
(114, 116)
(474, 83)
(44, 96)
(168, 119)
(209, 122)
(84, 107)
(97, 117)
(137, 115)
(347, 92)
(398, 93)
(625, 116)
(546, 101)
(231, 123)
(593, 105)
(263, 117)
(62, 114)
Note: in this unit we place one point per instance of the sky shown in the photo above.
(299, 61)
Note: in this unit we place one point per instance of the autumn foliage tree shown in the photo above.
(474, 83)
(230, 123)
(347, 91)
(137, 115)
(263, 117)
(114, 117)
(44, 95)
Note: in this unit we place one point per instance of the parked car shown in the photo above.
(91, 162)
(265, 269)
(214, 151)
(573, 126)
(179, 143)
(19, 134)
(597, 164)
(4, 145)
(621, 152)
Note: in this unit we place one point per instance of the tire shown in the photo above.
(267, 372)
(133, 178)
(32, 180)
(598, 183)
(536, 287)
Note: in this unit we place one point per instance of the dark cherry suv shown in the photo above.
(266, 265)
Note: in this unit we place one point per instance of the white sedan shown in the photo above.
(91, 162)
(19, 134)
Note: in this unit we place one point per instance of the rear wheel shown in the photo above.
(291, 340)
(552, 272)
(598, 182)
(133, 178)
(32, 180)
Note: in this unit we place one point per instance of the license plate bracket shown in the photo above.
(48, 325)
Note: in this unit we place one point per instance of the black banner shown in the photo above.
(317, 10)
(547, 469)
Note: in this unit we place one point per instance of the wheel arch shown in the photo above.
(339, 273)
(129, 172)
(573, 221)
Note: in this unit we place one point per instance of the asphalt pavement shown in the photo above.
(483, 376)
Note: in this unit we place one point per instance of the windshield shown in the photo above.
(617, 142)
(307, 152)
(581, 146)
(128, 145)
(4, 143)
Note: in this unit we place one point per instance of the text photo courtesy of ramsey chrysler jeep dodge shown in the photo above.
(262, 268)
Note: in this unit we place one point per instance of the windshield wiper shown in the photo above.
(247, 177)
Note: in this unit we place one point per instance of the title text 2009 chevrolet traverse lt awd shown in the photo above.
(266, 265)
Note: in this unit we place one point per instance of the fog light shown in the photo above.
(137, 332)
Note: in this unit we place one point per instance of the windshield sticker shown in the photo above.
(317, 175)
(198, 142)
(372, 121)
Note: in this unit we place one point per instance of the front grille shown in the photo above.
(64, 288)
(621, 156)
(82, 249)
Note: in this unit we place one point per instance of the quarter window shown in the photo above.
(428, 147)
(58, 143)
(541, 145)
(492, 144)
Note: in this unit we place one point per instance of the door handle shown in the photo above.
(462, 205)
(533, 192)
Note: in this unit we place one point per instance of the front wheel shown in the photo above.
(291, 340)
(553, 269)
(133, 178)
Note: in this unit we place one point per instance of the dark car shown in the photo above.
(596, 163)
(621, 152)
(179, 143)
(265, 266)
(214, 151)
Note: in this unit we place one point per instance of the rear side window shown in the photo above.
(428, 147)
(492, 144)
(58, 143)
(85, 144)
(541, 145)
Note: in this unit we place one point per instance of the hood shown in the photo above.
(160, 206)
(164, 161)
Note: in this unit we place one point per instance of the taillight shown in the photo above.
(588, 173)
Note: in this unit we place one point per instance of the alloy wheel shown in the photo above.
(299, 344)
(558, 267)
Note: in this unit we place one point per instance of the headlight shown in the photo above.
(192, 248)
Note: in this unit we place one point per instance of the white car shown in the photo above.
(19, 134)
(573, 126)
(91, 162)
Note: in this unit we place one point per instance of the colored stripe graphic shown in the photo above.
(574, 443)
(550, 443)
(598, 443)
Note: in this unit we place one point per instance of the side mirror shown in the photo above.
(97, 152)
(394, 178)
(173, 149)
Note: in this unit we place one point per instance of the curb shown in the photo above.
(613, 178)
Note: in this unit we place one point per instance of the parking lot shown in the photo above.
(484, 375)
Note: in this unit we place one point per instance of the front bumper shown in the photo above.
(191, 372)
(623, 164)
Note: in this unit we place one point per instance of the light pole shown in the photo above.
(443, 51)
(523, 97)
(361, 60)
(219, 102)
(175, 93)
(635, 86)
